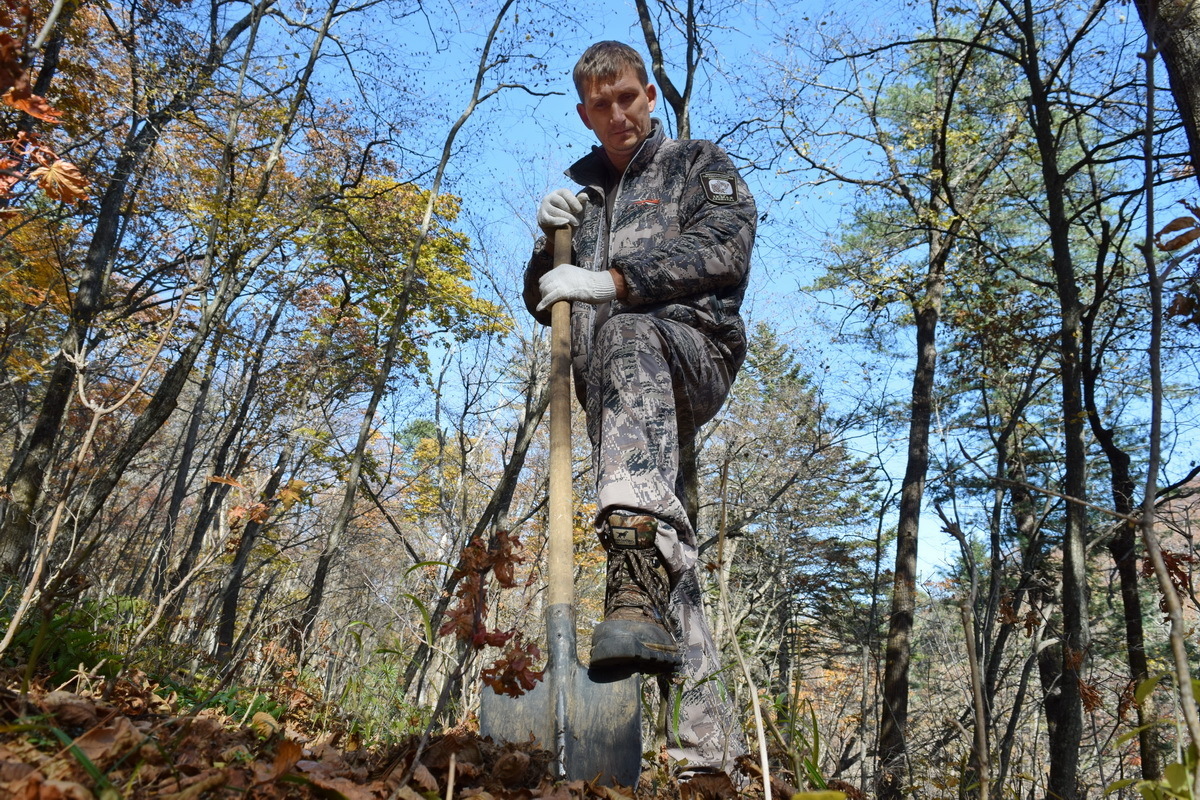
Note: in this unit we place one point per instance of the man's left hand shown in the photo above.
(569, 282)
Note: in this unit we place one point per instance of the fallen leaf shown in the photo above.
(510, 768)
(13, 771)
(70, 710)
(716, 786)
(286, 756)
(34, 787)
(264, 724)
(424, 778)
(104, 745)
(405, 793)
(205, 782)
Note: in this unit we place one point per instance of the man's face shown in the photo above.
(618, 112)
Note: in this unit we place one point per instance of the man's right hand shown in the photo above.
(559, 209)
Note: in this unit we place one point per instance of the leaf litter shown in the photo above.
(123, 740)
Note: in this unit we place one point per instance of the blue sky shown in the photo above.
(516, 147)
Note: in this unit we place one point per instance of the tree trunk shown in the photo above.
(1064, 704)
(894, 712)
(231, 588)
(1122, 547)
(1174, 27)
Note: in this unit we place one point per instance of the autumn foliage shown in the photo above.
(29, 158)
(512, 673)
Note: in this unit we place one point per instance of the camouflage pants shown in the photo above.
(649, 383)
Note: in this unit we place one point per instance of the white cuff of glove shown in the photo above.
(559, 209)
(569, 282)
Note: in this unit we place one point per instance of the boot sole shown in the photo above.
(637, 646)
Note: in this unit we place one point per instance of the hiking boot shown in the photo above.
(633, 634)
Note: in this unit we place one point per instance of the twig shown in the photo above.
(723, 584)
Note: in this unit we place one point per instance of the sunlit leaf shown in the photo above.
(32, 104)
(62, 181)
(1146, 687)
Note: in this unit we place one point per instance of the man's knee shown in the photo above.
(630, 334)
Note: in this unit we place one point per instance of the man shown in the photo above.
(662, 246)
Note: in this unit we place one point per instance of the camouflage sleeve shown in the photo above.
(539, 264)
(717, 219)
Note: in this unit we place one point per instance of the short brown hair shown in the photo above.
(606, 60)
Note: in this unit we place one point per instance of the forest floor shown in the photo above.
(125, 740)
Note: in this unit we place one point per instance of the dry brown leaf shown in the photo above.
(226, 481)
(286, 756)
(346, 788)
(510, 768)
(70, 710)
(13, 771)
(717, 786)
(1177, 224)
(1180, 241)
(557, 792)
(406, 793)
(264, 724)
(104, 745)
(35, 787)
(61, 181)
(424, 778)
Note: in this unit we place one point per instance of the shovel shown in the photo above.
(589, 719)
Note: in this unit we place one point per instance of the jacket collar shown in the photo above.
(591, 170)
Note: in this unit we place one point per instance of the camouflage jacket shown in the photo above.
(683, 225)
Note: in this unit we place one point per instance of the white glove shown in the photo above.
(559, 209)
(569, 282)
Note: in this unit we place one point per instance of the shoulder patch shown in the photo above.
(719, 187)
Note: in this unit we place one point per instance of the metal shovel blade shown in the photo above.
(590, 719)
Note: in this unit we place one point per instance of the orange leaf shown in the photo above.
(1180, 241)
(226, 481)
(61, 181)
(32, 104)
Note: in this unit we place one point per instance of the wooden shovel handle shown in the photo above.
(559, 548)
